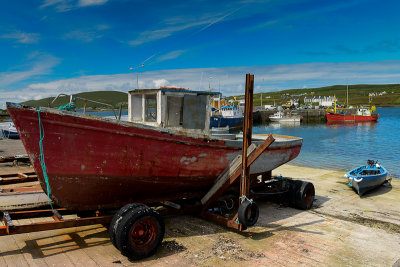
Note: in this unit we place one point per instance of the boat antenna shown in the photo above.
(137, 69)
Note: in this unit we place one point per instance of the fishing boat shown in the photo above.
(367, 177)
(10, 132)
(164, 152)
(280, 116)
(230, 116)
(360, 114)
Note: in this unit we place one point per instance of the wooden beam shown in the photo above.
(247, 134)
(224, 182)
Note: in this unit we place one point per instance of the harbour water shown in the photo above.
(347, 145)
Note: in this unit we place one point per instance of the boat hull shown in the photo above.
(366, 178)
(10, 134)
(367, 184)
(97, 163)
(331, 116)
(219, 121)
(294, 119)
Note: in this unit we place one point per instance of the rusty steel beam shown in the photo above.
(220, 219)
(21, 190)
(52, 225)
(16, 178)
(57, 221)
(37, 213)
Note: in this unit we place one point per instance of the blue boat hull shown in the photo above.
(368, 184)
(364, 183)
(10, 134)
(219, 121)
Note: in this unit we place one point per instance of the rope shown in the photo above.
(69, 107)
(243, 198)
(42, 162)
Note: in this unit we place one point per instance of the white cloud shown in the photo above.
(22, 37)
(172, 25)
(87, 35)
(160, 82)
(230, 80)
(171, 55)
(66, 5)
(43, 66)
(91, 2)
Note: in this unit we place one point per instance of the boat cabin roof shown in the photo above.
(171, 107)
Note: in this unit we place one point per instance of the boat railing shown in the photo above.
(73, 99)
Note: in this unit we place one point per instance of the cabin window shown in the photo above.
(150, 112)
(136, 107)
(174, 111)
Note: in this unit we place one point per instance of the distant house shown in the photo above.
(324, 101)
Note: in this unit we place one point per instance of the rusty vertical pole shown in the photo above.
(247, 133)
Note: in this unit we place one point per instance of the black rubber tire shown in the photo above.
(248, 213)
(117, 218)
(140, 232)
(293, 189)
(304, 196)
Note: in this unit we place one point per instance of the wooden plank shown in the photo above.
(220, 188)
(228, 172)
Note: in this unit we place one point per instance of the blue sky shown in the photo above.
(67, 46)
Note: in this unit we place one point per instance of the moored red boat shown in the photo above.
(98, 163)
(332, 116)
(361, 114)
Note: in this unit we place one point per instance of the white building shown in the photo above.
(324, 101)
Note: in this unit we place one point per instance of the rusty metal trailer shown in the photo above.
(137, 230)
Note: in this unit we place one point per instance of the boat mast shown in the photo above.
(347, 102)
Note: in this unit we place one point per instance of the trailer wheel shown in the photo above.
(304, 196)
(117, 219)
(248, 213)
(140, 232)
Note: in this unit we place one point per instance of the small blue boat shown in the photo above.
(11, 132)
(367, 177)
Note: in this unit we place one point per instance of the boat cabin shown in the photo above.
(172, 108)
(231, 112)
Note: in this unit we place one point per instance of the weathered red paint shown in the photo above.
(93, 163)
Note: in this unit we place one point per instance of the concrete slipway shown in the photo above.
(342, 230)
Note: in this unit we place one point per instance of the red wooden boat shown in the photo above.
(98, 163)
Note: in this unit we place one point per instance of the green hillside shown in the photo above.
(358, 94)
(113, 98)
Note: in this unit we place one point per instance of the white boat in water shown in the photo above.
(282, 117)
